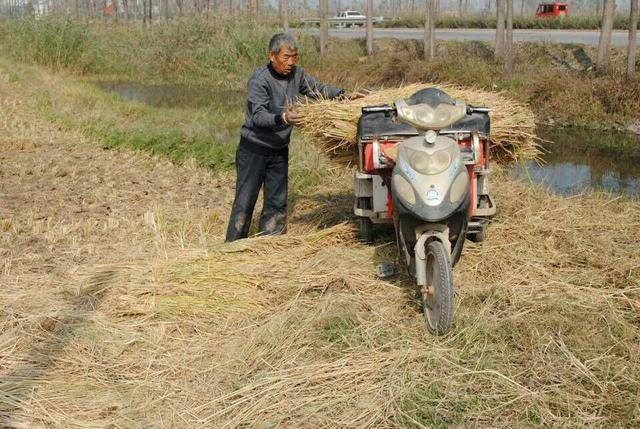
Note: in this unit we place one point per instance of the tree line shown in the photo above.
(148, 10)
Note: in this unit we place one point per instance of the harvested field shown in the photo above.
(135, 314)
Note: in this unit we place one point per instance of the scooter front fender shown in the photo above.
(433, 232)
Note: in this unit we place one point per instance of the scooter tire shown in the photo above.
(438, 305)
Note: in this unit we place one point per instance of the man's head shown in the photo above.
(283, 53)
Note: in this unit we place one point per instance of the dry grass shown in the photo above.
(144, 318)
(334, 122)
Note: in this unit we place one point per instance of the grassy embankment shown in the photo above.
(296, 330)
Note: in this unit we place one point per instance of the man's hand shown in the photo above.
(292, 117)
(354, 95)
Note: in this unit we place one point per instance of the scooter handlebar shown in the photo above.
(385, 108)
(473, 109)
(388, 109)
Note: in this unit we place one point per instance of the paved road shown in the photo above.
(586, 37)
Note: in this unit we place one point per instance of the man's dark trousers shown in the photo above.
(255, 168)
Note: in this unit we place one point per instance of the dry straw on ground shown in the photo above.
(333, 122)
(140, 316)
(296, 331)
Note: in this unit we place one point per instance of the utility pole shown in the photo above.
(324, 26)
(429, 31)
(370, 27)
(631, 47)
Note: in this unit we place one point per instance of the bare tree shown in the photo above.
(324, 26)
(631, 47)
(429, 30)
(165, 9)
(509, 40)
(605, 33)
(285, 15)
(499, 52)
(369, 27)
(460, 5)
(125, 7)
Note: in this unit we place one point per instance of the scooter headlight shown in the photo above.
(404, 189)
(426, 163)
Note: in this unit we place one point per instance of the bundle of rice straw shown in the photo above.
(334, 122)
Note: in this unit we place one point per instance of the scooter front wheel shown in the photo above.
(437, 294)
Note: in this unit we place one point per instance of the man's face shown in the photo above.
(284, 61)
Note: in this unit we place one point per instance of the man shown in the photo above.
(263, 154)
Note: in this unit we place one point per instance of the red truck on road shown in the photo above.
(552, 10)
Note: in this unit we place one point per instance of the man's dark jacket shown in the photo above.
(269, 93)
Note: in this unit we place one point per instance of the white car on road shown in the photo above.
(348, 18)
(349, 15)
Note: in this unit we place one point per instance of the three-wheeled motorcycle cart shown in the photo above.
(379, 135)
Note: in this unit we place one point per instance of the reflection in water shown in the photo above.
(579, 160)
(174, 95)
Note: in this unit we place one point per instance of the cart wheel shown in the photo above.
(365, 229)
